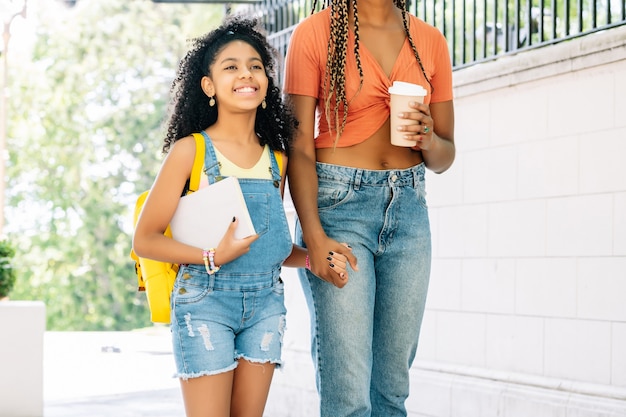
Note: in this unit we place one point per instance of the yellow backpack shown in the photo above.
(157, 278)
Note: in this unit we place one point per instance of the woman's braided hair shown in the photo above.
(335, 77)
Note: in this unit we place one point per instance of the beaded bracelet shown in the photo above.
(208, 256)
(307, 262)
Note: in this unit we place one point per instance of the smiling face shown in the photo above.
(237, 78)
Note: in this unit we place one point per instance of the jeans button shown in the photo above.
(394, 178)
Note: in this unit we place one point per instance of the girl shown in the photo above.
(228, 312)
(350, 184)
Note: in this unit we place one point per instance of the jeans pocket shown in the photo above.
(331, 194)
(259, 208)
(191, 285)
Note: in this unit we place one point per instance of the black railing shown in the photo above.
(476, 30)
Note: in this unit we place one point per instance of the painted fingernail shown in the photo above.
(329, 259)
(342, 275)
(233, 219)
(331, 253)
(331, 265)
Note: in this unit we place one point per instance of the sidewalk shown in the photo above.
(128, 374)
(106, 374)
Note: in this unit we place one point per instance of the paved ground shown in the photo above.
(129, 374)
(106, 374)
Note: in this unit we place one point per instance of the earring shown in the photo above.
(211, 101)
(263, 104)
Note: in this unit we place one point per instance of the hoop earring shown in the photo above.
(263, 104)
(211, 101)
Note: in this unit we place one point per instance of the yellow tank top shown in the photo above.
(261, 170)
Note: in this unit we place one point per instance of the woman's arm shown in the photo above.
(437, 145)
(303, 185)
(439, 152)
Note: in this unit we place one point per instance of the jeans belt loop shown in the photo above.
(357, 179)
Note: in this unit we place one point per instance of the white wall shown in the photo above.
(22, 324)
(526, 315)
(528, 290)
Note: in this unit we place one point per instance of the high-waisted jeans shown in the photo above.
(365, 335)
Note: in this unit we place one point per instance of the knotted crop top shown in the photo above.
(369, 109)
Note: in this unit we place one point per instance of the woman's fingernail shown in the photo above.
(331, 265)
(329, 259)
(233, 219)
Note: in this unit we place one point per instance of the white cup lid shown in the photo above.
(407, 89)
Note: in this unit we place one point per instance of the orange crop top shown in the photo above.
(305, 66)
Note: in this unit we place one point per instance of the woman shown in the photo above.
(350, 184)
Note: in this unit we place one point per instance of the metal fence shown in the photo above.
(476, 30)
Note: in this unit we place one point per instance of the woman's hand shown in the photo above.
(422, 131)
(329, 260)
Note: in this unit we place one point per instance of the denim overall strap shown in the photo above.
(211, 165)
(261, 265)
(275, 170)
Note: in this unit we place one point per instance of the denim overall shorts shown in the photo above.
(238, 312)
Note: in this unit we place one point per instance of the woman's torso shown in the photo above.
(381, 45)
(376, 152)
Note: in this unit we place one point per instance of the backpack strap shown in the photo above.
(279, 160)
(198, 163)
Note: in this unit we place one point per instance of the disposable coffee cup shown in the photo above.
(401, 94)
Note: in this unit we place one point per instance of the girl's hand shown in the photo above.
(338, 262)
(329, 260)
(231, 248)
(422, 131)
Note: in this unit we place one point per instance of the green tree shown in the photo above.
(85, 138)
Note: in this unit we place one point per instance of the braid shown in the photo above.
(402, 6)
(357, 40)
(335, 78)
(335, 75)
(325, 3)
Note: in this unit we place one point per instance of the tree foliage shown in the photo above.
(85, 138)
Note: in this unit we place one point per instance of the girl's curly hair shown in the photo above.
(189, 109)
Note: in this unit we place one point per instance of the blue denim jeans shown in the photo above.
(365, 335)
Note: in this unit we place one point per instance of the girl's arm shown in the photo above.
(149, 240)
(336, 261)
(297, 258)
